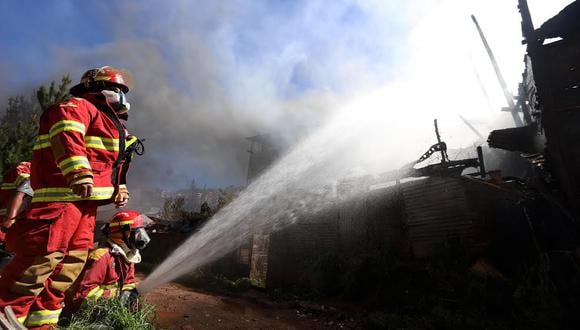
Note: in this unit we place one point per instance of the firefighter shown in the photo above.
(110, 270)
(15, 195)
(77, 165)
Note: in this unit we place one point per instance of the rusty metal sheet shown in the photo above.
(436, 210)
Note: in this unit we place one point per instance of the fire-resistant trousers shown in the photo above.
(51, 247)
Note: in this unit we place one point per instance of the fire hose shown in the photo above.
(9, 321)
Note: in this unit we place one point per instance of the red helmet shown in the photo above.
(101, 78)
(128, 227)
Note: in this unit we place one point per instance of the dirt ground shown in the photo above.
(179, 307)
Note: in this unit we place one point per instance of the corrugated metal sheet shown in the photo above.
(436, 210)
(351, 222)
(295, 249)
(373, 217)
(414, 218)
(259, 256)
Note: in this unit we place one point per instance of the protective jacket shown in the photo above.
(13, 178)
(106, 274)
(78, 142)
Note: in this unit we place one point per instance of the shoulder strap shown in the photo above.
(122, 136)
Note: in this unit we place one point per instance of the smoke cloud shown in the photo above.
(210, 73)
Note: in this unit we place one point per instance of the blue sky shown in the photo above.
(33, 28)
(210, 73)
(246, 66)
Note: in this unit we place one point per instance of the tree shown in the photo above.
(19, 124)
(173, 208)
(54, 94)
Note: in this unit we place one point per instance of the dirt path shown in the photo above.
(179, 307)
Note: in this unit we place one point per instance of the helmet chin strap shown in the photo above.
(130, 255)
(117, 100)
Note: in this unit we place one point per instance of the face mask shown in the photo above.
(117, 100)
(130, 255)
(139, 238)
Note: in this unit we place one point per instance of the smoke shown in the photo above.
(210, 73)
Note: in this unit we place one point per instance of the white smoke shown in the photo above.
(209, 73)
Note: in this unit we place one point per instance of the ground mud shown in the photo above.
(180, 307)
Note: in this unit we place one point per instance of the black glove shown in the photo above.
(130, 298)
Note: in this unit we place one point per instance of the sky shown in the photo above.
(210, 73)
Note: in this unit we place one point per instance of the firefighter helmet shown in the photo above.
(102, 78)
(128, 228)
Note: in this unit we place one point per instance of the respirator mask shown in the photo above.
(138, 238)
(118, 100)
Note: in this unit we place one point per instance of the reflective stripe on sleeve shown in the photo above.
(74, 163)
(8, 186)
(95, 293)
(67, 125)
(97, 142)
(40, 318)
(3, 211)
(67, 195)
(21, 178)
(42, 141)
(109, 286)
(128, 287)
(13, 185)
(132, 139)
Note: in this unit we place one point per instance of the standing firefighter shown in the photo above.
(110, 270)
(15, 195)
(77, 165)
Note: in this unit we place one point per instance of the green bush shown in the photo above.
(19, 122)
(112, 314)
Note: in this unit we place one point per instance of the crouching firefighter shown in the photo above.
(110, 270)
(77, 164)
(15, 196)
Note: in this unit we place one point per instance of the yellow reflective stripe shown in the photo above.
(130, 286)
(108, 286)
(3, 211)
(39, 318)
(74, 163)
(99, 294)
(66, 194)
(42, 141)
(97, 142)
(8, 186)
(21, 178)
(67, 125)
(95, 293)
(132, 139)
(13, 185)
(116, 224)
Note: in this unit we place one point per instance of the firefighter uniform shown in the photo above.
(79, 141)
(105, 275)
(12, 179)
(110, 271)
